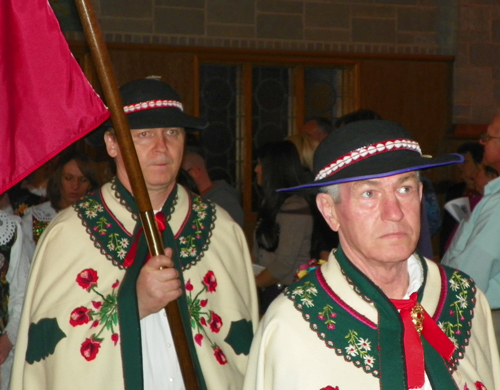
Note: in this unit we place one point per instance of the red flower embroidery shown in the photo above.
(95, 324)
(209, 281)
(330, 388)
(189, 285)
(115, 337)
(116, 284)
(198, 339)
(79, 316)
(215, 322)
(480, 386)
(203, 321)
(87, 278)
(96, 305)
(90, 348)
(219, 355)
(203, 302)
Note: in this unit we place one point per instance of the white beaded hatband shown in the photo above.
(152, 104)
(366, 152)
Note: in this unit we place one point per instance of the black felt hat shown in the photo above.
(370, 149)
(149, 103)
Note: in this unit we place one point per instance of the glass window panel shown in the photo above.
(221, 142)
(323, 92)
(270, 111)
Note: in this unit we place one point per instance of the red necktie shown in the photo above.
(416, 321)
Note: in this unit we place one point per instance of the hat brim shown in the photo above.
(149, 119)
(164, 117)
(382, 165)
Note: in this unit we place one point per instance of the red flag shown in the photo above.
(46, 103)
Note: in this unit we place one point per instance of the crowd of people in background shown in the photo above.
(294, 230)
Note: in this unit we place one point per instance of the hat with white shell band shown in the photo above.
(369, 149)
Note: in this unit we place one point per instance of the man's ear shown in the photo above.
(326, 206)
(111, 144)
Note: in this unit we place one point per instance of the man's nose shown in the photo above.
(161, 142)
(391, 208)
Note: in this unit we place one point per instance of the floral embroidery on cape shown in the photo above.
(115, 242)
(203, 319)
(344, 339)
(102, 314)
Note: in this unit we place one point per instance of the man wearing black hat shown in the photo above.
(94, 318)
(377, 315)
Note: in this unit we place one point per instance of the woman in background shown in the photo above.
(282, 239)
(73, 176)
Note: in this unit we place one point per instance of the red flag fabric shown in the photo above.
(46, 102)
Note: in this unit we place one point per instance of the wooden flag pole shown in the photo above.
(120, 123)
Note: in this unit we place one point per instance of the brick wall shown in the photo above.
(477, 65)
(467, 29)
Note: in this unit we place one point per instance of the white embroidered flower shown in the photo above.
(298, 291)
(91, 213)
(369, 360)
(312, 290)
(307, 302)
(364, 344)
(121, 254)
(111, 246)
(465, 283)
(454, 285)
(202, 215)
(192, 252)
(183, 240)
(462, 300)
(351, 350)
(98, 208)
(84, 205)
(184, 252)
(124, 242)
(196, 208)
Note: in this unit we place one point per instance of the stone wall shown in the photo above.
(466, 29)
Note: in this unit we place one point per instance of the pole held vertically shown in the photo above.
(107, 79)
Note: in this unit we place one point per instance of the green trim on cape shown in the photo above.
(378, 348)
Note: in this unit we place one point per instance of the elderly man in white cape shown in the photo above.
(376, 315)
(94, 317)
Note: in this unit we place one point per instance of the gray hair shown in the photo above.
(332, 190)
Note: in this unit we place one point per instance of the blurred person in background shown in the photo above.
(282, 238)
(218, 191)
(317, 127)
(473, 154)
(14, 270)
(74, 176)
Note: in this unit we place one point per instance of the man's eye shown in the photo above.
(367, 194)
(172, 131)
(143, 134)
(405, 190)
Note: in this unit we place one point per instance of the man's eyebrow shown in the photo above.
(376, 182)
(409, 176)
(369, 182)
